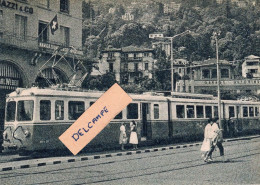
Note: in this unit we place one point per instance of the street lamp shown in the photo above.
(215, 35)
(171, 38)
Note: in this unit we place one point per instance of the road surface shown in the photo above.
(175, 166)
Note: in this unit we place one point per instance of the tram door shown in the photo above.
(145, 119)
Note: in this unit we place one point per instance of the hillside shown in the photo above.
(238, 26)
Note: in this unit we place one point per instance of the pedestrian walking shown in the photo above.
(133, 135)
(122, 137)
(216, 141)
(206, 145)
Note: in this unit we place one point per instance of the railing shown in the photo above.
(252, 82)
(20, 42)
(131, 71)
(132, 58)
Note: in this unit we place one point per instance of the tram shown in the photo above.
(36, 117)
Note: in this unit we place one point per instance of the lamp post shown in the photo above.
(215, 35)
(171, 38)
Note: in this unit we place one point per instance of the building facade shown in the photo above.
(251, 67)
(203, 78)
(171, 7)
(30, 31)
(128, 63)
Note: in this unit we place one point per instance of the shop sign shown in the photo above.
(9, 81)
(16, 6)
(54, 47)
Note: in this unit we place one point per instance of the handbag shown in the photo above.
(124, 141)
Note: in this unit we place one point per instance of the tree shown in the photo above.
(163, 70)
(108, 80)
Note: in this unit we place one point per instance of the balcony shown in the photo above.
(111, 59)
(131, 59)
(10, 39)
(32, 44)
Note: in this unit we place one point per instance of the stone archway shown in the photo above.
(51, 75)
(11, 77)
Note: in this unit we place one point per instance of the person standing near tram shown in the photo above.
(133, 136)
(122, 137)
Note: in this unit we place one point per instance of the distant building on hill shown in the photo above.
(127, 63)
(239, 3)
(128, 17)
(171, 7)
(155, 35)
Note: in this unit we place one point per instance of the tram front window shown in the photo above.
(25, 110)
(10, 111)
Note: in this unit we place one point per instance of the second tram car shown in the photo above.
(35, 118)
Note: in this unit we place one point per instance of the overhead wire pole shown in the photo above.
(215, 34)
(172, 73)
(171, 38)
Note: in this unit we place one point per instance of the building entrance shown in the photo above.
(10, 79)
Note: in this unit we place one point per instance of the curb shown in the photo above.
(93, 157)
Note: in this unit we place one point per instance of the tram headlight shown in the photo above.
(27, 133)
(5, 135)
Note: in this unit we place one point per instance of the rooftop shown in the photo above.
(251, 57)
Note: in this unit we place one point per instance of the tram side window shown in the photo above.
(238, 111)
(59, 110)
(156, 111)
(208, 111)
(25, 110)
(215, 111)
(76, 108)
(251, 111)
(256, 111)
(119, 115)
(10, 111)
(190, 111)
(245, 111)
(231, 111)
(132, 111)
(45, 110)
(180, 111)
(200, 111)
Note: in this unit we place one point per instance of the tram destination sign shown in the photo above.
(95, 119)
(16, 6)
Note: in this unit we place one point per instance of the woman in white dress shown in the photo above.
(133, 136)
(122, 137)
(206, 145)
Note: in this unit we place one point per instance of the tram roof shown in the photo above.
(159, 96)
